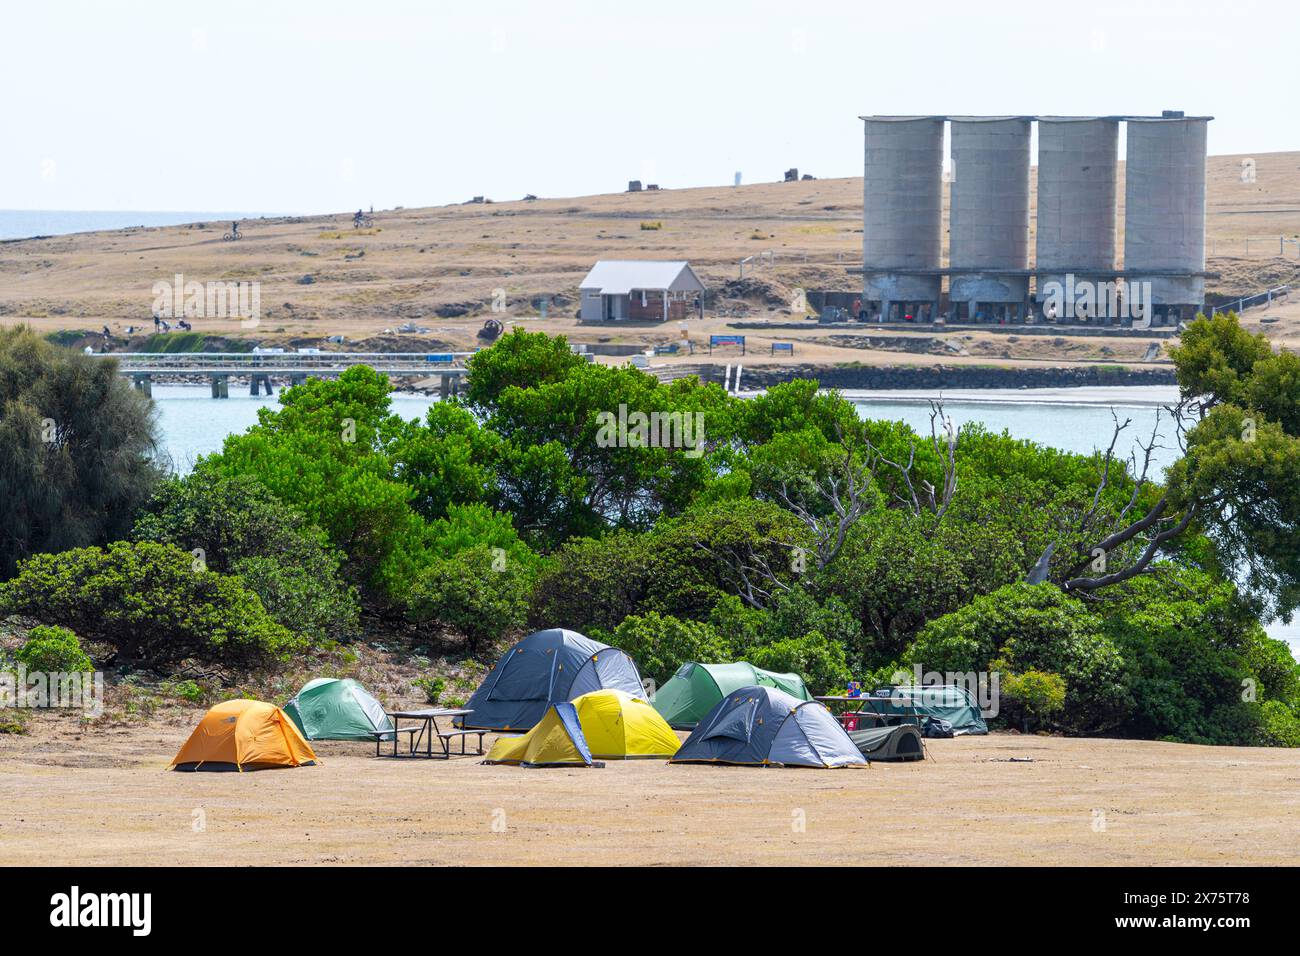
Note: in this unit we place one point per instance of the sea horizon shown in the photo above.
(32, 223)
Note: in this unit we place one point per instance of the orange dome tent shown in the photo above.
(244, 734)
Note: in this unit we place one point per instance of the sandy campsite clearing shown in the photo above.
(105, 798)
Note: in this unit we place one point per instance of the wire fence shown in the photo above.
(767, 260)
(1255, 247)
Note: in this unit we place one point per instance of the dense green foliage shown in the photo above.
(1242, 455)
(1032, 628)
(151, 604)
(478, 591)
(76, 449)
(781, 529)
(236, 526)
(53, 650)
(661, 643)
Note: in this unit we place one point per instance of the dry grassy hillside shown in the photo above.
(439, 267)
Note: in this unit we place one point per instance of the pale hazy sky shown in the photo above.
(326, 106)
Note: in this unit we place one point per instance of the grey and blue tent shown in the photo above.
(544, 668)
(763, 726)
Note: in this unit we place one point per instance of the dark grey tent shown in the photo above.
(763, 726)
(547, 667)
(889, 743)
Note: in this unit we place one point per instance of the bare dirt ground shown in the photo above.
(440, 268)
(104, 797)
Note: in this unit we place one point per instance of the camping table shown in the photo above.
(429, 716)
(875, 715)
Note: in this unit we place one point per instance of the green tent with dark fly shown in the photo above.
(696, 689)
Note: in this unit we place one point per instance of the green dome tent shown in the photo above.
(696, 688)
(331, 709)
(950, 702)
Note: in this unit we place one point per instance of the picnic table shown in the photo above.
(846, 715)
(425, 729)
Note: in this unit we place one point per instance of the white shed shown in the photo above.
(641, 289)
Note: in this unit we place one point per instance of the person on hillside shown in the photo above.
(234, 228)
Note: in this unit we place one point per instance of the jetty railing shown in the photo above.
(1264, 298)
(296, 367)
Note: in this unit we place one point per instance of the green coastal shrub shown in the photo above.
(479, 592)
(187, 690)
(323, 452)
(317, 606)
(1198, 665)
(1033, 627)
(519, 358)
(796, 613)
(53, 650)
(1279, 725)
(738, 624)
(77, 448)
(430, 687)
(592, 584)
(1030, 697)
(150, 603)
(661, 643)
(13, 720)
(240, 528)
(817, 658)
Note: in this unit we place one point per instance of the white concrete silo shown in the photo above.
(902, 210)
(988, 218)
(1078, 184)
(1164, 207)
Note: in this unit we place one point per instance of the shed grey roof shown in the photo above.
(621, 276)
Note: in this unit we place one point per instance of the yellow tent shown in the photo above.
(244, 733)
(556, 741)
(619, 726)
(606, 724)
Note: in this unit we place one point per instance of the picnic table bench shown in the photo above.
(425, 730)
(445, 737)
(877, 710)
